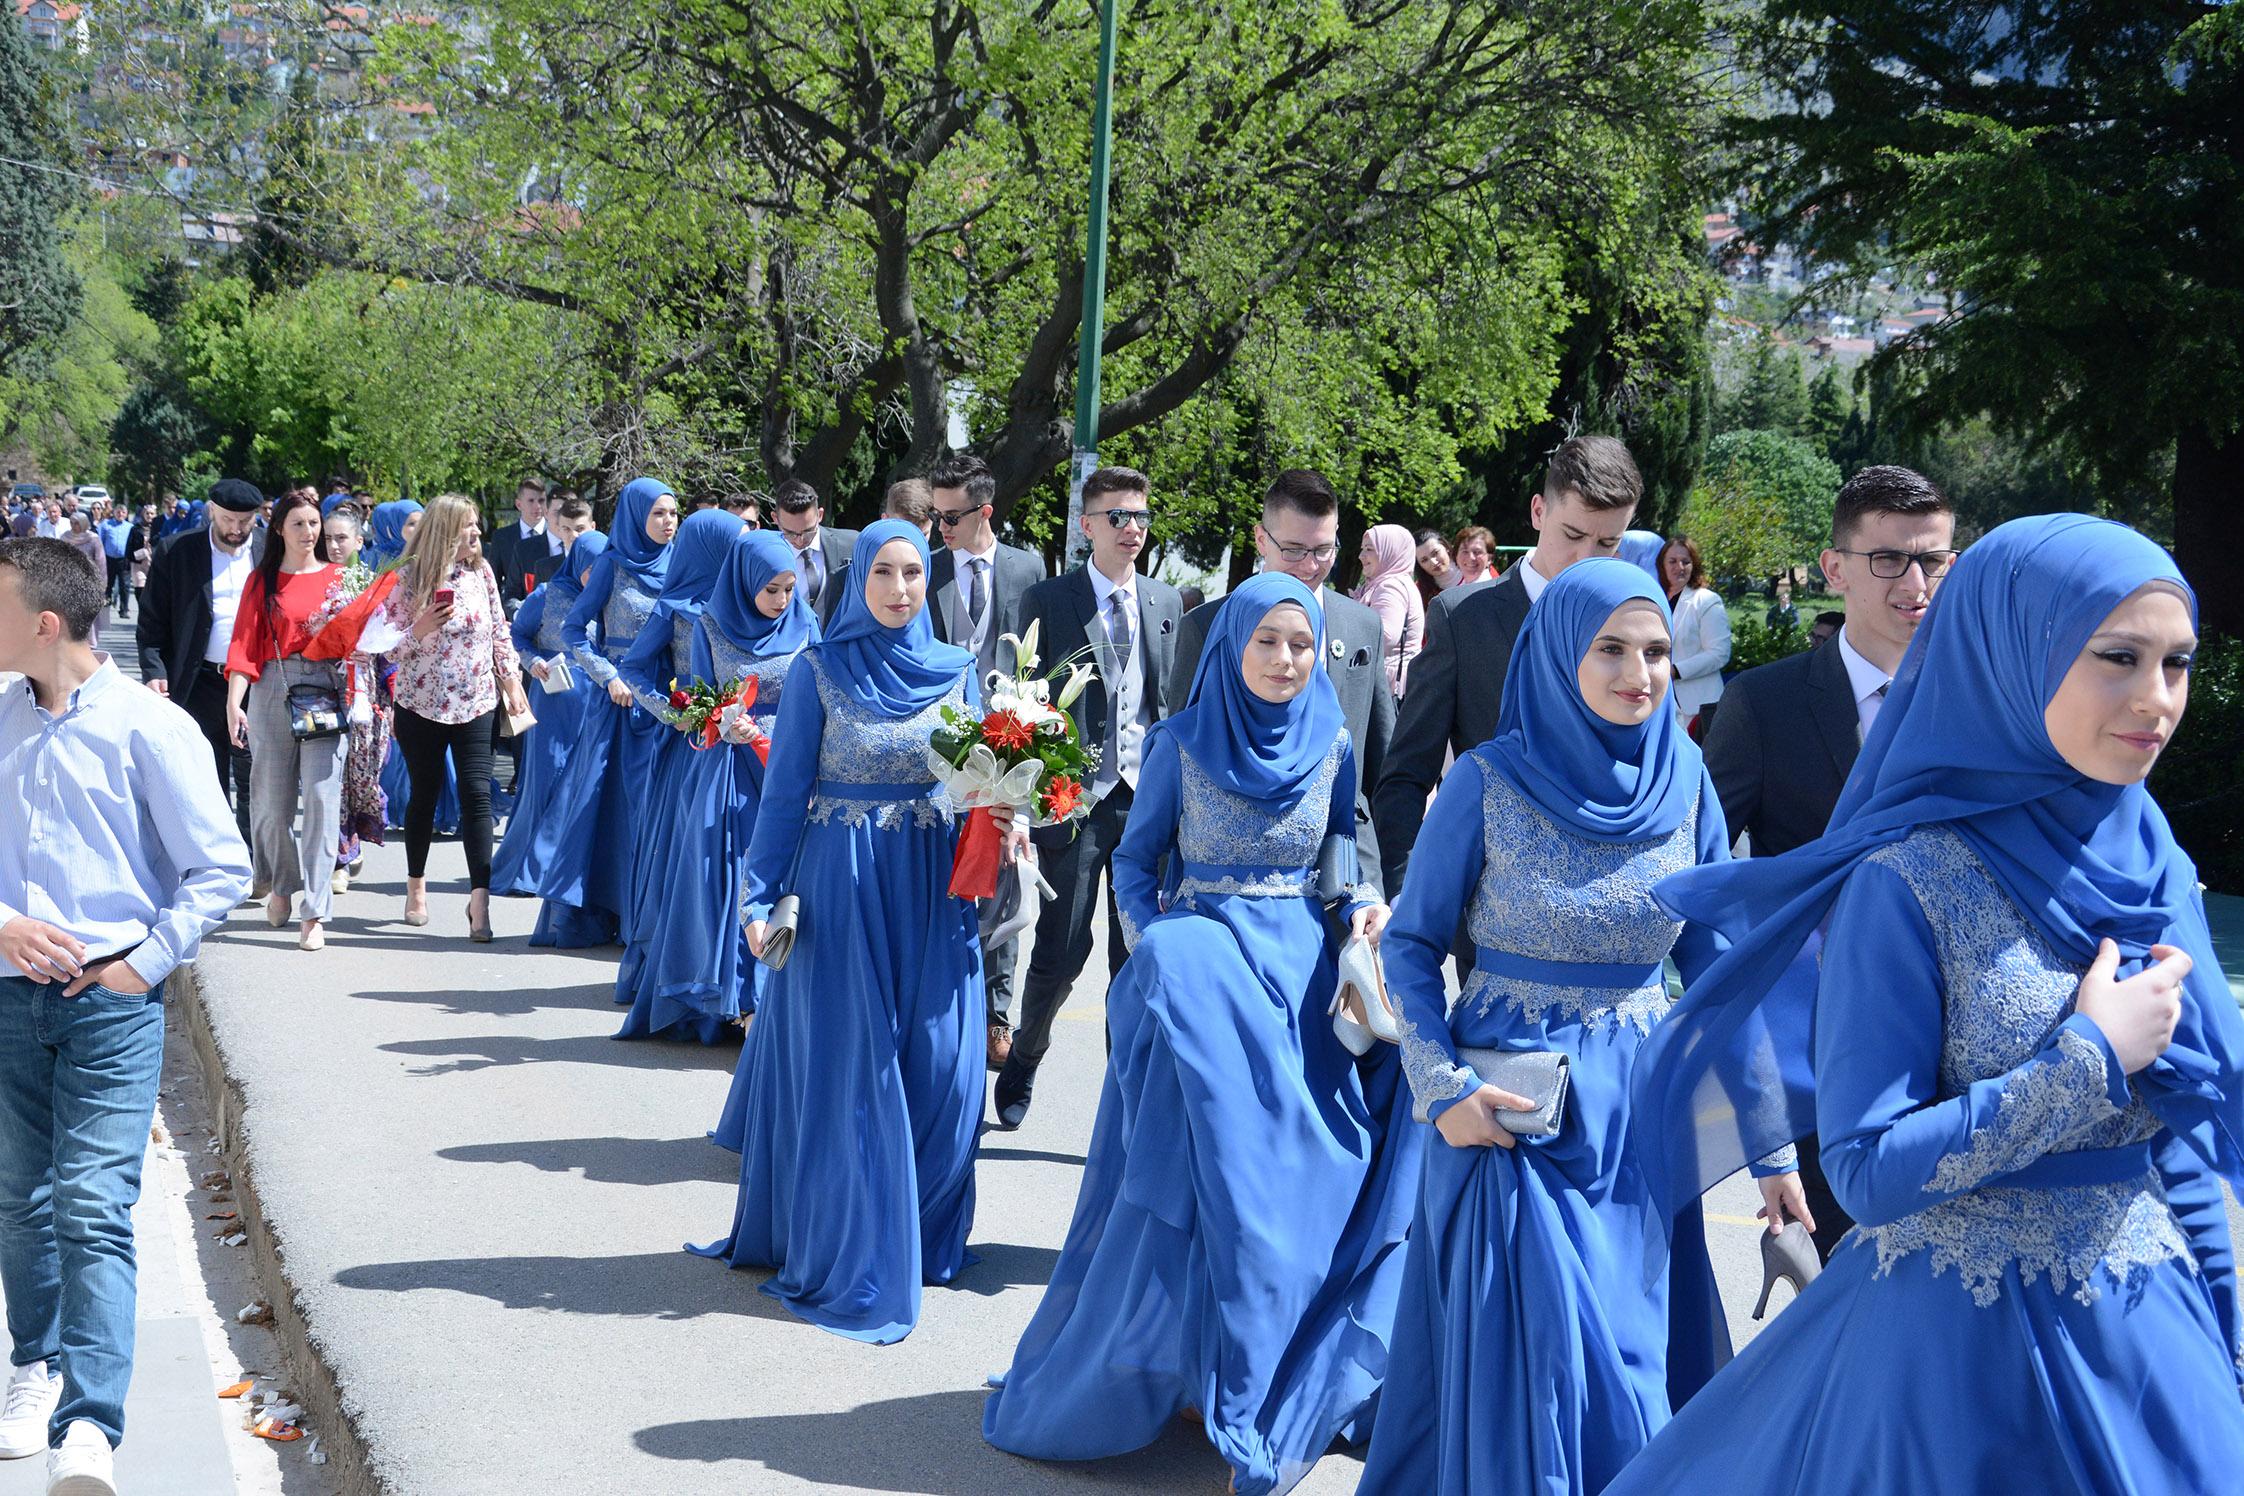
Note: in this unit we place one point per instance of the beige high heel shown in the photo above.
(276, 910)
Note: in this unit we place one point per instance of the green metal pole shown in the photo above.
(1094, 288)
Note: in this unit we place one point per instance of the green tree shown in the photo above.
(295, 233)
(1774, 395)
(39, 294)
(154, 433)
(63, 414)
(1738, 529)
(1830, 407)
(1790, 486)
(2072, 173)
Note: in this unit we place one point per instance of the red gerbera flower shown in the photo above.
(1006, 732)
(1061, 797)
(679, 701)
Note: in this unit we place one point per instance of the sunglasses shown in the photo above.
(1123, 519)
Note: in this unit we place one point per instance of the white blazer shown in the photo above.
(1702, 648)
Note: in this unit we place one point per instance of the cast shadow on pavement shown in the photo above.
(654, 1285)
(463, 1003)
(1004, 1265)
(932, 1443)
(482, 1051)
(611, 1160)
(1026, 1155)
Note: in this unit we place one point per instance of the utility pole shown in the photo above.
(1086, 457)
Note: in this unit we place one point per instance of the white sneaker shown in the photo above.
(32, 1394)
(81, 1464)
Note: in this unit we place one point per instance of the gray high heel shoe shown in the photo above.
(1790, 1255)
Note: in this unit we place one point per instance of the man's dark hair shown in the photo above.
(1595, 469)
(570, 507)
(908, 499)
(705, 500)
(1304, 491)
(1884, 489)
(739, 501)
(1115, 480)
(531, 485)
(794, 497)
(965, 470)
(55, 579)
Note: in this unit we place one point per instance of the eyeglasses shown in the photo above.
(1890, 566)
(1300, 553)
(947, 519)
(1123, 519)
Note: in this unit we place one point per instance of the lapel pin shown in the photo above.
(1338, 649)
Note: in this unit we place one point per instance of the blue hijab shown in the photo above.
(892, 671)
(1260, 749)
(1960, 740)
(1599, 780)
(333, 502)
(385, 531)
(637, 556)
(697, 553)
(749, 568)
(1641, 549)
(568, 582)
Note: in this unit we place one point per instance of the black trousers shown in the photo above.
(1063, 927)
(424, 744)
(120, 584)
(203, 697)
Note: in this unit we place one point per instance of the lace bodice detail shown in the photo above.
(1216, 827)
(547, 640)
(627, 610)
(1548, 894)
(734, 663)
(2005, 989)
(863, 748)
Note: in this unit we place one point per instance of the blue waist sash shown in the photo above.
(835, 789)
(1627, 975)
(2056, 1171)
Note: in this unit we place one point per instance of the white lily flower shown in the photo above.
(1078, 677)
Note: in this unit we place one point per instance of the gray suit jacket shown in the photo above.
(1358, 678)
(1781, 748)
(1067, 608)
(834, 547)
(1013, 572)
(1450, 705)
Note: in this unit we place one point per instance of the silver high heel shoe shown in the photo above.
(1790, 1255)
(1363, 977)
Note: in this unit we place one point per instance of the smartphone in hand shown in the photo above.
(441, 598)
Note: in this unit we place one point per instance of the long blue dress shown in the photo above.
(585, 883)
(1237, 1247)
(1530, 1354)
(516, 866)
(2020, 1309)
(863, 1075)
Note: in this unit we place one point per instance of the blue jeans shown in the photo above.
(77, 1093)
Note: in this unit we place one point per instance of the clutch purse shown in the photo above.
(558, 676)
(314, 711)
(780, 930)
(1540, 1075)
(1336, 868)
(1363, 977)
(515, 724)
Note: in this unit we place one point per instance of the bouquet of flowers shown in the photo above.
(1023, 751)
(706, 713)
(349, 619)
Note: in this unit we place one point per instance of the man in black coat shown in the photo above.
(195, 583)
(1128, 622)
(1456, 690)
(1786, 737)
(975, 591)
(1300, 535)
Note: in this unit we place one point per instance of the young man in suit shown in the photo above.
(1299, 534)
(523, 550)
(1128, 623)
(975, 588)
(1589, 496)
(195, 582)
(907, 499)
(819, 551)
(1788, 732)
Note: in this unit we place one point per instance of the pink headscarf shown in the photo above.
(1389, 590)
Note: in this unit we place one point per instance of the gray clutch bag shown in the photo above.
(1540, 1075)
(1336, 868)
(779, 932)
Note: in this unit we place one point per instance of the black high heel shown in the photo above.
(1790, 1255)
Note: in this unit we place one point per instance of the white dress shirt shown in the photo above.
(228, 575)
(1867, 682)
(1532, 579)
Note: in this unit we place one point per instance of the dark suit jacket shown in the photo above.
(1067, 607)
(1013, 572)
(1781, 747)
(1450, 704)
(834, 547)
(1358, 678)
(174, 625)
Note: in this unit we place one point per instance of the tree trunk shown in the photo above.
(2208, 509)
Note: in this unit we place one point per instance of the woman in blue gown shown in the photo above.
(1533, 1345)
(1237, 1245)
(662, 654)
(521, 858)
(2031, 1300)
(864, 1071)
(698, 977)
(585, 883)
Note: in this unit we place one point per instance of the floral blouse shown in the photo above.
(453, 675)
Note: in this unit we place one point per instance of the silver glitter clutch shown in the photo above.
(779, 932)
(1540, 1075)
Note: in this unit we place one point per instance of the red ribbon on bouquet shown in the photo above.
(981, 851)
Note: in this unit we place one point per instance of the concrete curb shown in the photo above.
(350, 1465)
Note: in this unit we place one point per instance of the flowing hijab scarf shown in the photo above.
(385, 531)
(892, 671)
(697, 555)
(1388, 581)
(1260, 749)
(750, 567)
(1597, 779)
(333, 502)
(1960, 740)
(1641, 548)
(637, 556)
(583, 551)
